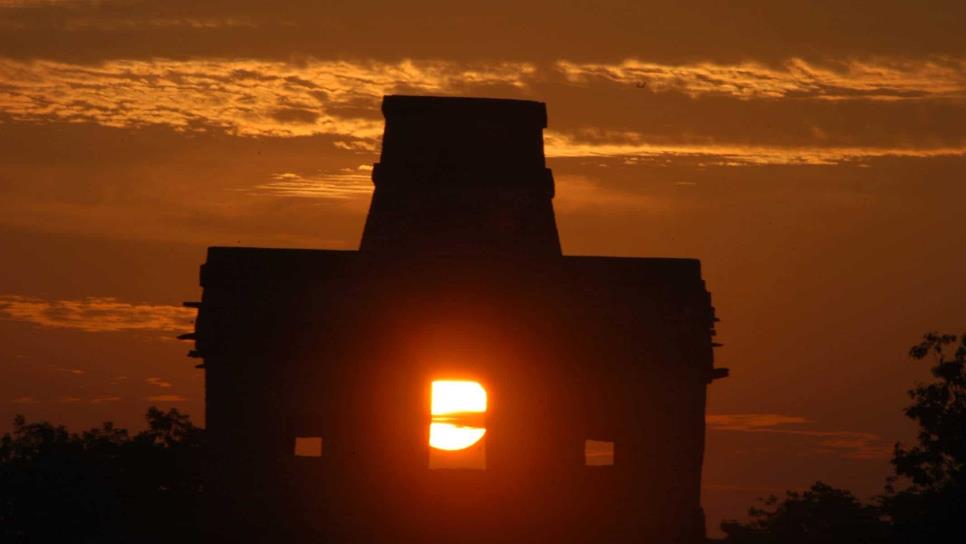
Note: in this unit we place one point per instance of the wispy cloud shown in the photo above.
(737, 487)
(28, 3)
(344, 184)
(109, 23)
(158, 382)
(244, 97)
(634, 146)
(751, 422)
(97, 399)
(95, 314)
(848, 444)
(341, 99)
(166, 398)
(104, 398)
(878, 79)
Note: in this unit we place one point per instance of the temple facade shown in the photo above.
(319, 364)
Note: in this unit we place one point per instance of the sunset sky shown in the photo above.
(811, 154)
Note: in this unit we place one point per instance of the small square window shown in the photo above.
(308, 446)
(598, 453)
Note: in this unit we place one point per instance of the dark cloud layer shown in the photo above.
(534, 31)
(96, 314)
(848, 444)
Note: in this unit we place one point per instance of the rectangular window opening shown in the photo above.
(472, 458)
(308, 446)
(598, 453)
(457, 426)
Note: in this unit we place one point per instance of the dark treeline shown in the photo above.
(924, 501)
(102, 485)
(106, 485)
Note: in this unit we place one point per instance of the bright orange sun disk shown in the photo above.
(453, 401)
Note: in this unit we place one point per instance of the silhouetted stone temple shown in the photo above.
(319, 364)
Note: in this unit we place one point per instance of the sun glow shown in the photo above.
(457, 408)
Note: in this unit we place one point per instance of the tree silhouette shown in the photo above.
(934, 505)
(821, 514)
(931, 508)
(101, 485)
(940, 411)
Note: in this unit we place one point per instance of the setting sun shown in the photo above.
(457, 408)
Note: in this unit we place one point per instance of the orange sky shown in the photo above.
(812, 155)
